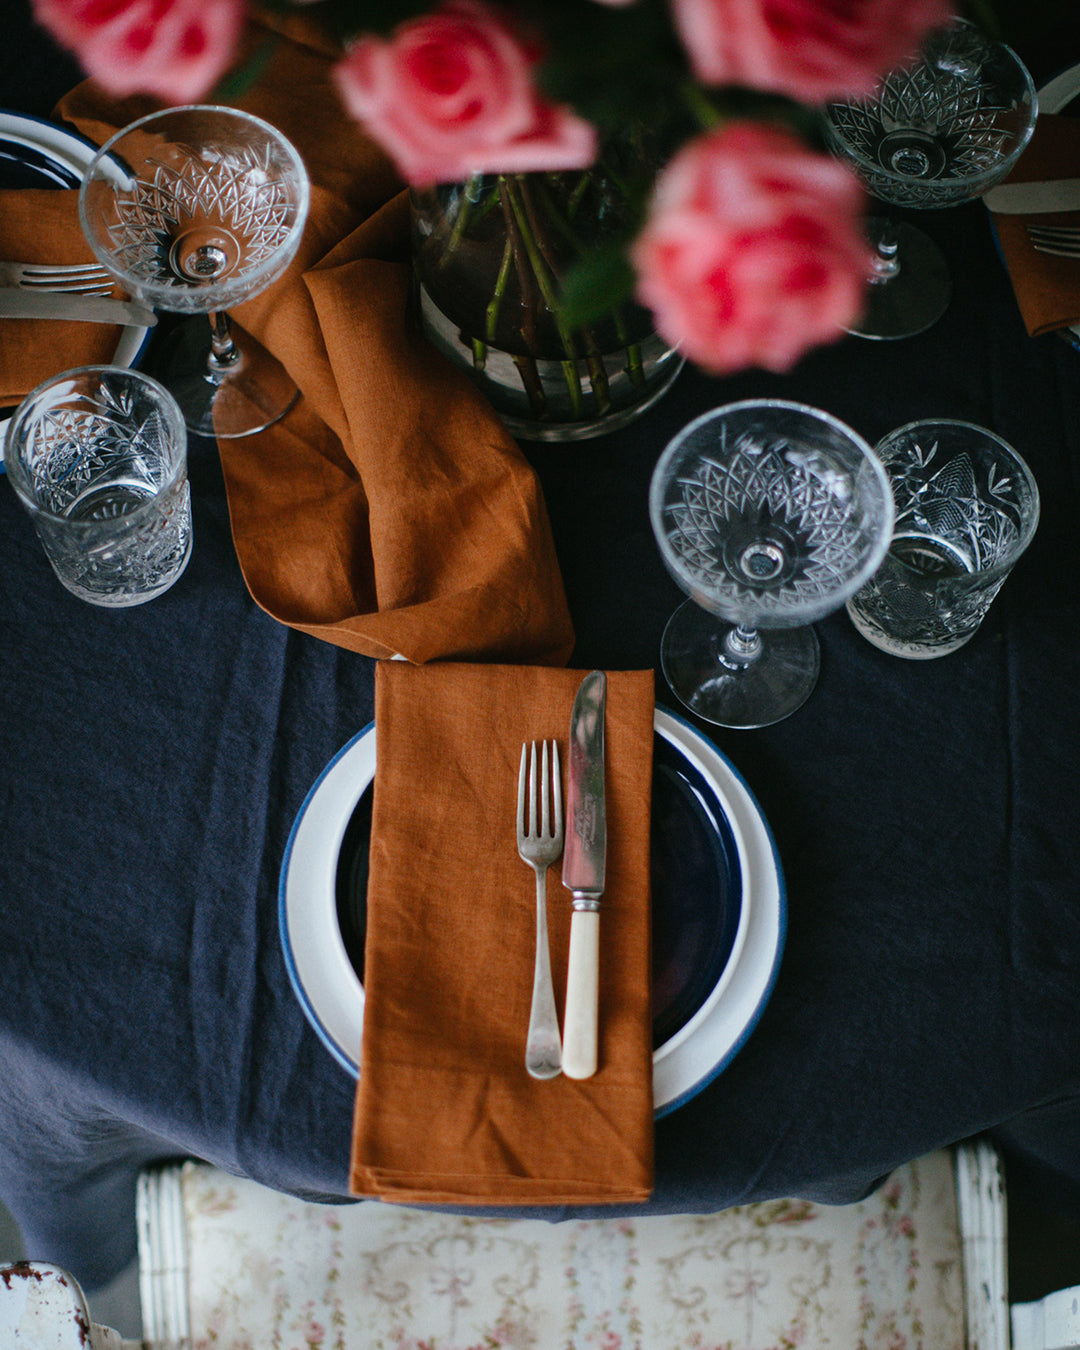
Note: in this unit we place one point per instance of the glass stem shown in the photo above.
(886, 251)
(741, 646)
(224, 354)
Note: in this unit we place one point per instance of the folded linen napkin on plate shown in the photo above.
(1047, 288)
(445, 1110)
(41, 225)
(390, 512)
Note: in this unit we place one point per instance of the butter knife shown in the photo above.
(17, 302)
(584, 864)
(1021, 199)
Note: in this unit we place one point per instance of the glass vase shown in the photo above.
(488, 258)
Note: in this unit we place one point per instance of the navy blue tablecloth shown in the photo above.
(152, 762)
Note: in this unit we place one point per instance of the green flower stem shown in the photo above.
(471, 212)
(526, 277)
(597, 372)
(491, 314)
(526, 365)
(575, 198)
(546, 283)
(461, 221)
(635, 368)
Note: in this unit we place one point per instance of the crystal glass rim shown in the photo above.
(1022, 466)
(974, 183)
(880, 547)
(20, 480)
(215, 289)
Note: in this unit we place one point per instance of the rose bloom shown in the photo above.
(811, 50)
(752, 251)
(174, 49)
(451, 93)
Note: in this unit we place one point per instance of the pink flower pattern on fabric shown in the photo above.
(753, 250)
(451, 93)
(811, 50)
(174, 49)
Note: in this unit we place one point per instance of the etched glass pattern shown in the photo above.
(766, 527)
(195, 209)
(102, 470)
(228, 201)
(964, 514)
(943, 130)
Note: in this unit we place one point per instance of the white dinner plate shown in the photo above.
(746, 865)
(36, 153)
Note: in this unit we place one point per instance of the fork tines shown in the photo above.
(1061, 241)
(88, 280)
(84, 278)
(548, 783)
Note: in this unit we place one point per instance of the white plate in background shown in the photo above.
(34, 152)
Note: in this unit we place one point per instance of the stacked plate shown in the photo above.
(717, 895)
(39, 154)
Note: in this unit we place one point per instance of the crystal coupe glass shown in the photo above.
(194, 210)
(936, 132)
(769, 515)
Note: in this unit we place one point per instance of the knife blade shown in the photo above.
(584, 868)
(17, 302)
(1021, 199)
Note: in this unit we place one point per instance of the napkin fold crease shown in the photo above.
(390, 512)
(445, 1110)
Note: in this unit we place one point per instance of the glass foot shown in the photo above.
(730, 694)
(914, 299)
(254, 394)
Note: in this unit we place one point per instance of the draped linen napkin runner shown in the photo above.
(1047, 288)
(41, 225)
(390, 512)
(445, 1110)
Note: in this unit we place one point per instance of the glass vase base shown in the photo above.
(252, 395)
(549, 400)
(727, 693)
(913, 300)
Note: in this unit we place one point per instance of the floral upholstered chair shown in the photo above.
(228, 1265)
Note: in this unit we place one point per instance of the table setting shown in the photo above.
(270, 852)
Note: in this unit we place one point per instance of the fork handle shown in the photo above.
(582, 995)
(543, 1049)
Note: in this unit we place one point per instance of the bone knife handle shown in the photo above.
(582, 995)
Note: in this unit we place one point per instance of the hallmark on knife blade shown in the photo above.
(585, 821)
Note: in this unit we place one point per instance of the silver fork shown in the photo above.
(1061, 241)
(83, 278)
(540, 847)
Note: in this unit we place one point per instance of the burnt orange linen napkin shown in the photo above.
(389, 512)
(445, 1110)
(41, 225)
(1047, 289)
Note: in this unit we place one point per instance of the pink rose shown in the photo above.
(753, 251)
(812, 50)
(451, 93)
(173, 49)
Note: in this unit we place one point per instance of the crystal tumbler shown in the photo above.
(966, 509)
(98, 456)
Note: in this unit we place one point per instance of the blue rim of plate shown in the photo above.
(328, 988)
(57, 158)
(696, 887)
